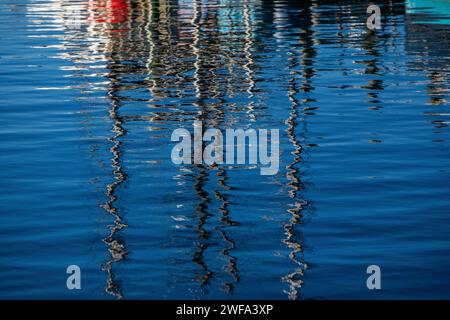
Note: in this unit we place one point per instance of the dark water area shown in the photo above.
(91, 92)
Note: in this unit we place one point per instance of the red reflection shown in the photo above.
(109, 11)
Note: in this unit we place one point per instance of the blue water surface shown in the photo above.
(91, 92)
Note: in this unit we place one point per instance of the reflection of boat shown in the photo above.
(437, 8)
(112, 11)
(427, 37)
(424, 26)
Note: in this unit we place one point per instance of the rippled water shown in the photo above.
(92, 90)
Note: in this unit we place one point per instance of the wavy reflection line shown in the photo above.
(294, 279)
(116, 245)
(202, 175)
(374, 86)
(226, 221)
(248, 65)
(195, 22)
(203, 234)
(292, 241)
(248, 44)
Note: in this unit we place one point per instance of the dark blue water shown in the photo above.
(92, 90)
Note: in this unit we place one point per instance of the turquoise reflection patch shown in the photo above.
(439, 9)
